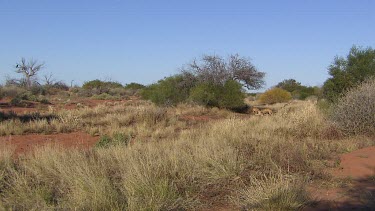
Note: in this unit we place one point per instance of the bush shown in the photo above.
(12, 91)
(275, 95)
(228, 96)
(101, 86)
(297, 90)
(349, 72)
(169, 91)
(355, 111)
(104, 96)
(17, 101)
(134, 86)
(117, 139)
(37, 90)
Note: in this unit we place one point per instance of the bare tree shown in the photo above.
(48, 79)
(214, 69)
(29, 69)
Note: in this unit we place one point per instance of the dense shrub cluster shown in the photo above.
(355, 111)
(100, 86)
(174, 90)
(107, 90)
(228, 96)
(298, 90)
(168, 91)
(349, 72)
(275, 95)
(211, 81)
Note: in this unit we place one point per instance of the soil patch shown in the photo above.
(357, 191)
(359, 164)
(25, 143)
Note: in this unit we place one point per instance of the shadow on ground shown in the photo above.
(26, 117)
(359, 195)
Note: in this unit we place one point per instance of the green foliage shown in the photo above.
(349, 72)
(232, 95)
(206, 94)
(16, 101)
(106, 141)
(174, 90)
(228, 96)
(355, 111)
(289, 85)
(297, 90)
(44, 101)
(169, 91)
(37, 90)
(134, 86)
(104, 96)
(101, 86)
(55, 88)
(275, 95)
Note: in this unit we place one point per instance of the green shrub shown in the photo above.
(44, 101)
(100, 86)
(275, 95)
(106, 141)
(17, 101)
(120, 92)
(349, 72)
(228, 96)
(355, 111)
(37, 90)
(104, 96)
(206, 94)
(134, 86)
(12, 91)
(168, 92)
(297, 90)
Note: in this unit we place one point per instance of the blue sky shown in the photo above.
(143, 41)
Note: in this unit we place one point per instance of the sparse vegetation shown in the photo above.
(279, 152)
(187, 150)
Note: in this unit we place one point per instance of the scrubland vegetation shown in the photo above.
(260, 162)
(186, 148)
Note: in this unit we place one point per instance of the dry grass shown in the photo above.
(273, 192)
(138, 119)
(355, 112)
(263, 155)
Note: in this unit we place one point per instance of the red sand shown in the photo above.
(25, 143)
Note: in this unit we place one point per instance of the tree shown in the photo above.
(214, 69)
(349, 72)
(48, 79)
(297, 90)
(29, 70)
(289, 85)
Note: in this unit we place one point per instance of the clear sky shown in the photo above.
(143, 41)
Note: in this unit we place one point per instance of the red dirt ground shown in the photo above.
(357, 169)
(25, 143)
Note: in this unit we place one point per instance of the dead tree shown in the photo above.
(29, 69)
